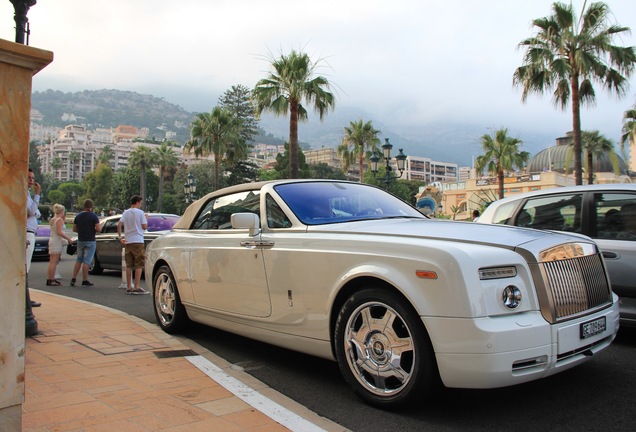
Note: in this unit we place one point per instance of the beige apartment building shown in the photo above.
(78, 150)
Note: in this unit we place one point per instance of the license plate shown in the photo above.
(592, 328)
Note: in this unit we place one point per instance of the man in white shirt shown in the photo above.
(134, 222)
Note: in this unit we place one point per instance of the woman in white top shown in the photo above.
(56, 242)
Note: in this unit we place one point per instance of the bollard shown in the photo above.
(124, 283)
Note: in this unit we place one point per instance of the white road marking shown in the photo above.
(265, 405)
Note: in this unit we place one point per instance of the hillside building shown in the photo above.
(77, 150)
(73, 152)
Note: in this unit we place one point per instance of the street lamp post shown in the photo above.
(190, 188)
(400, 160)
(21, 8)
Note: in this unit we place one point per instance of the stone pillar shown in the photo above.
(18, 64)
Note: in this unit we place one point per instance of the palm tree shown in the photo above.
(73, 158)
(291, 82)
(501, 153)
(596, 144)
(629, 130)
(568, 53)
(142, 158)
(165, 158)
(106, 155)
(56, 165)
(216, 133)
(359, 138)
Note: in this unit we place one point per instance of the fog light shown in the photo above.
(511, 297)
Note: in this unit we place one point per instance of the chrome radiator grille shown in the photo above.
(576, 285)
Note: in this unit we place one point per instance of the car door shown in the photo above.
(608, 228)
(226, 267)
(108, 245)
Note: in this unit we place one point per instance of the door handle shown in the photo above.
(253, 244)
(610, 255)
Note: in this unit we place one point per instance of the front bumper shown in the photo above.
(503, 351)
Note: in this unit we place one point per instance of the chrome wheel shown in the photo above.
(164, 299)
(169, 311)
(379, 348)
(383, 349)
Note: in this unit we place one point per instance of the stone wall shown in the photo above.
(18, 64)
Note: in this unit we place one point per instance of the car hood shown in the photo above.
(467, 232)
(155, 234)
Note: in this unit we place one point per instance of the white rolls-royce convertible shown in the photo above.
(347, 271)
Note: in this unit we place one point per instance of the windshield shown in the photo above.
(43, 232)
(331, 202)
(161, 222)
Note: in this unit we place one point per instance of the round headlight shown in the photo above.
(511, 297)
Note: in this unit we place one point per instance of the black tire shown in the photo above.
(383, 350)
(95, 267)
(169, 311)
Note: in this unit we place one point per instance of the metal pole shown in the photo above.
(30, 323)
(388, 177)
(21, 8)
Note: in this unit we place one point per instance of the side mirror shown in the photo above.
(249, 221)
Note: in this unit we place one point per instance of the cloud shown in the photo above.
(403, 61)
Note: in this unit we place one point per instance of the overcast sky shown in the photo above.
(404, 62)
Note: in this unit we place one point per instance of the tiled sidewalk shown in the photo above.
(96, 369)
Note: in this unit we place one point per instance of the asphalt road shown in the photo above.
(597, 396)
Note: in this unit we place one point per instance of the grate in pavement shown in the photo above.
(175, 353)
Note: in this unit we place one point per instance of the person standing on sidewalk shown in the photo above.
(134, 222)
(86, 225)
(33, 214)
(56, 242)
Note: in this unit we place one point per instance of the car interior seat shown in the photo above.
(524, 219)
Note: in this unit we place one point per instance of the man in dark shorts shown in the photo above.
(134, 222)
(86, 225)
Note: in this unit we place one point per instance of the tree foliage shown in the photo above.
(629, 130)
(142, 159)
(217, 132)
(568, 54)
(126, 183)
(501, 154)
(98, 185)
(106, 154)
(360, 140)
(166, 158)
(283, 162)
(238, 101)
(324, 171)
(290, 83)
(241, 172)
(595, 145)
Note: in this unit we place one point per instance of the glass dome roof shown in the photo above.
(555, 158)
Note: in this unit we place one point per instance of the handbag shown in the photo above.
(71, 248)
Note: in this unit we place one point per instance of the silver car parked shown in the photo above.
(606, 213)
(108, 250)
